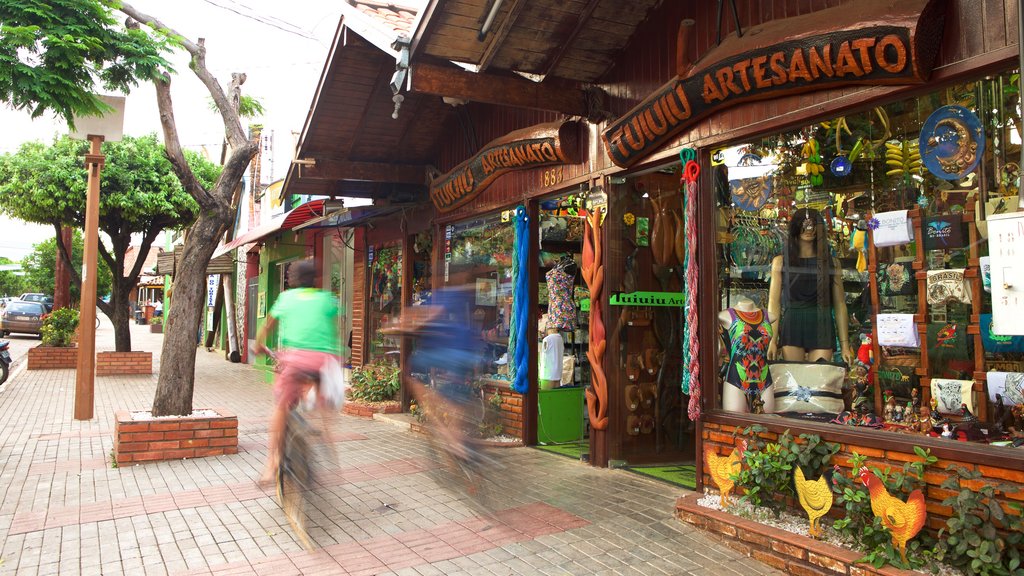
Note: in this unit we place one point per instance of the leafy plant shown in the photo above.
(866, 530)
(980, 537)
(490, 424)
(767, 477)
(377, 382)
(59, 327)
(156, 320)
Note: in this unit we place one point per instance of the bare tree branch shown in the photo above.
(144, 248)
(172, 145)
(232, 125)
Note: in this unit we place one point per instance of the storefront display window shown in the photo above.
(385, 302)
(562, 340)
(853, 256)
(479, 256)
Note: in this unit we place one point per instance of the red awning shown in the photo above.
(291, 219)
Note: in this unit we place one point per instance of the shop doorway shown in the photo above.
(644, 254)
(562, 320)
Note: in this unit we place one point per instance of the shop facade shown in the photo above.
(812, 146)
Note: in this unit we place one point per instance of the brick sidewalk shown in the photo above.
(66, 510)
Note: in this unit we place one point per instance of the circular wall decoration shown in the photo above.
(750, 194)
(952, 142)
(840, 166)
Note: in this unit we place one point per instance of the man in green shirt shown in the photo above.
(307, 323)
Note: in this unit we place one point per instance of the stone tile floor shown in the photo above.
(66, 510)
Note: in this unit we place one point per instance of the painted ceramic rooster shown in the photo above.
(722, 467)
(815, 497)
(903, 519)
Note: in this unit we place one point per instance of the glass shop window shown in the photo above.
(479, 258)
(868, 270)
(385, 302)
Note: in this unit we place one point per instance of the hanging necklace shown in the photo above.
(751, 318)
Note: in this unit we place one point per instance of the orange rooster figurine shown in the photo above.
(815, 497)
(903, 519)
(722, 467)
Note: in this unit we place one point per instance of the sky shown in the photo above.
(280, 46)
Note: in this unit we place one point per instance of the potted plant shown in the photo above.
(156, 324)
(58, 335)
(373, 389)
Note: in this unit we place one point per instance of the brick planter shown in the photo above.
(174, 438)
(788, 552)
(367, 410)
(124, 363)
(52, 357)
(157, 328)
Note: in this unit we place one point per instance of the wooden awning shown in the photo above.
(167, 264)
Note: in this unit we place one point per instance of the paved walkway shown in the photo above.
(66, 510)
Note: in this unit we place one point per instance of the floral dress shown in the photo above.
(561, 311)
(748, 338)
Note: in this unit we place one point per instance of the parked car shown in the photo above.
(38, 297)
(23, 317)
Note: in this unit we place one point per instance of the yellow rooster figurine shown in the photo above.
(815, 497)
(903, 519)
(722, 467)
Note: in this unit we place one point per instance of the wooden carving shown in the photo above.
(593, 275)
(903, 519)
(540, 145)
(876, 42)
(815, 498)
(723, 468)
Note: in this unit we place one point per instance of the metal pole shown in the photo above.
(85, 376)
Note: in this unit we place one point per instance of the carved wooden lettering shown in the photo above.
(541, 145)
(786, 57)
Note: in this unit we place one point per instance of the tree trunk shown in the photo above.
(119, 316)
(178, 355)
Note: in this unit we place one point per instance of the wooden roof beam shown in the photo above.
(503, 90)
(585, 14)
(322, 169)
(498, 35)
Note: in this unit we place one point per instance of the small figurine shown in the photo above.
(999, 414)
(890, 406)
(924, 422)
(757, 405)
(947, 430)
(966, 416)
(915, 399)
(866, 356)
(897, 414)
(910, 415)
(936, 419)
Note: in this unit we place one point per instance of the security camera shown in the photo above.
(397, 79)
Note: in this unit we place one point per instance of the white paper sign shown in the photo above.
(894, 228)
(212, 283)
(1006, 251)
(897, 330)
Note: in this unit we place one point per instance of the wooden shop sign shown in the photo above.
(540, 145)
(672, 299)
(876, 42)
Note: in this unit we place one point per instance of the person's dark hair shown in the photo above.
(303, 273)
(821, 251)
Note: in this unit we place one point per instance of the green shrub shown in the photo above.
(375, 382)
(156, 320)
(59, 327)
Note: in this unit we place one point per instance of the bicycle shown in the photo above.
(295, 474)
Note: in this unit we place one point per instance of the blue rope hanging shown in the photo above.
(518, 336)
(686, 325)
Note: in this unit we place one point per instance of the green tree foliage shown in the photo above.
(10, 282)
(40, 266)
(52, 53)
(140, 196)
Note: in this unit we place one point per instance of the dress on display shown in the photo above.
(806, 322)
(561, 311)
(748, 338)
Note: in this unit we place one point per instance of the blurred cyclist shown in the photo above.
(442, 364)
(307, 323)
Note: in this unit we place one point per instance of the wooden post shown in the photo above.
(85, 375)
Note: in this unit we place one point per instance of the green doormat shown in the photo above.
(684, 475)
(573, 450)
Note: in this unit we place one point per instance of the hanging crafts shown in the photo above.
(952, 142)
(691, 348)
(812, 162)
(518, 335)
